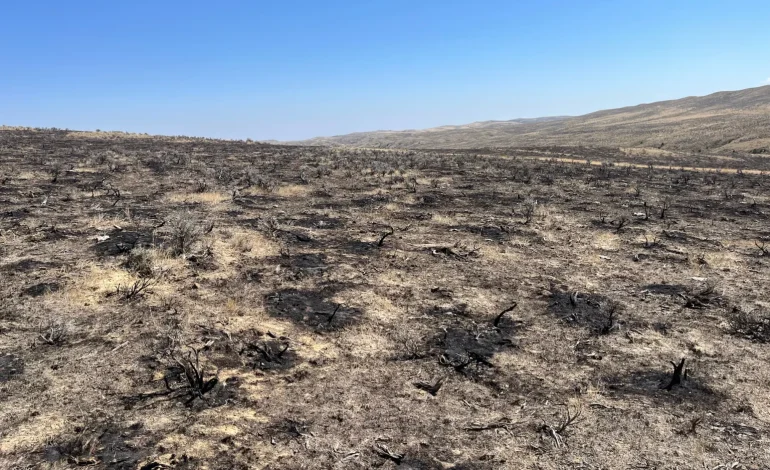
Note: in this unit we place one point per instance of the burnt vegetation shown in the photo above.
(181, 303)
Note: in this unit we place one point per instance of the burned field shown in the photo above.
(181, 303)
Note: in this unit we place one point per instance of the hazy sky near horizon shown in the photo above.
(298, 69)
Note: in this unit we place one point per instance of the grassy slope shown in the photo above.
(724, 121)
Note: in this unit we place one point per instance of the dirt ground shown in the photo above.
(190, 303)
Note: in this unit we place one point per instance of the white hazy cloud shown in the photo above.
(767, 82)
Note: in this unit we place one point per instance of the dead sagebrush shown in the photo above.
(764, 250)
(652, 243)
(703, 297)
(610, 322)
(557, 432)
(195, 381)
(55, 331)
(411, 345)
(186, 375)
(186, 230)
(201, 186)
(135, 290)
(528, 209)
(752, 325)
(81, 448)
(197, 384)
(621, 222)
(142, 261)
(665, 206)
(271, 226)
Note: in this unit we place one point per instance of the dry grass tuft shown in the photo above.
(213, 198)
(293, 191)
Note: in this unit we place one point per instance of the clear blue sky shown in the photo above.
(297, 69)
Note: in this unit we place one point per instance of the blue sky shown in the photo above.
(298, 69)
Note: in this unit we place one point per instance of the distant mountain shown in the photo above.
(720, 122)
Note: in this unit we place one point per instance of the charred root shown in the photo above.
(678, 376)
(500, 315)
(390, 232)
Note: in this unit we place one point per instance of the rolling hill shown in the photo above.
(721, 122)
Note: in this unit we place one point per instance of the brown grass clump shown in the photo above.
(200, 198)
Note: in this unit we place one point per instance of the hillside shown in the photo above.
(720, 122)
